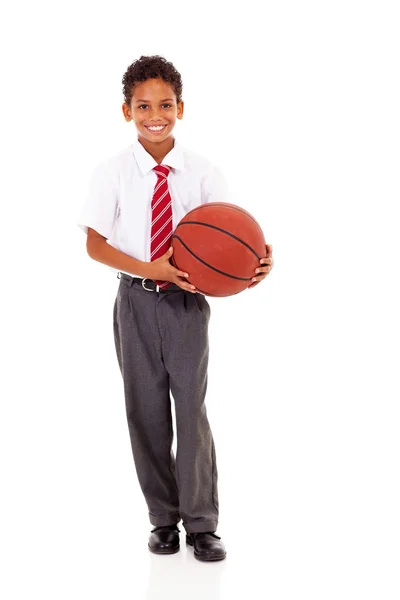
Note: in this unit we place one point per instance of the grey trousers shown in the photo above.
(161, 341)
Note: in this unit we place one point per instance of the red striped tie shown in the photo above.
(161, 217)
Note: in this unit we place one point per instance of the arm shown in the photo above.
(100, 210)
(98, 249)
(160, 269)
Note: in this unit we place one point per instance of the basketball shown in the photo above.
(220, 245)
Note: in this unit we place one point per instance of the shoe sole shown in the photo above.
(204, 558)
(164, 551)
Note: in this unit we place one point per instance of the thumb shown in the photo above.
(167, 254)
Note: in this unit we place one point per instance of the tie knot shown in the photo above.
(162, 170)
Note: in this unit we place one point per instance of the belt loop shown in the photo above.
(127, 279)
(119, 275)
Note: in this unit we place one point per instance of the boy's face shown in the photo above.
(154, 110)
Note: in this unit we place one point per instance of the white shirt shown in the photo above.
(118, 203)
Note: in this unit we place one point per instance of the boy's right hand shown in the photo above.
(162, 270)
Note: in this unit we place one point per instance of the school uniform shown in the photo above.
(161, 336)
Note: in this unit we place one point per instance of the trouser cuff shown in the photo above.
(200, 526)
(167, 519)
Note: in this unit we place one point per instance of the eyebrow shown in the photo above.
(165, 100)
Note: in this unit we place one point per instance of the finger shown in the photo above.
(253, 285)
(269, 249)
(263, 270)
(188, 287)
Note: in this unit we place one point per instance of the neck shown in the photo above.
(158, 150)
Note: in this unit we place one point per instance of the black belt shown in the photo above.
(147, 284)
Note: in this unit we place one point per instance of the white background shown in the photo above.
(299, 106)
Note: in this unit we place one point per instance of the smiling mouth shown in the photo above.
(155, 128)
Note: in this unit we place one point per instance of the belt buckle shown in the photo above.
(150, 289)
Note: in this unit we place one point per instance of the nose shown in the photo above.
(154, 114)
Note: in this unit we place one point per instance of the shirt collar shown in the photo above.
(146, 162)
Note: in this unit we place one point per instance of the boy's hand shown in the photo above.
(162, 270)
(265, 267)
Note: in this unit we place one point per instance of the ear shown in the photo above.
(180, 110)
(127, 112)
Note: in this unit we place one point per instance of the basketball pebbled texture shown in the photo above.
(220, 245)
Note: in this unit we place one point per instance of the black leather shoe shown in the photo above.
(164, 540)
(206, 546)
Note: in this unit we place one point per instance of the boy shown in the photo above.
(135, 201)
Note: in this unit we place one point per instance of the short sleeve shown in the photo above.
(100, 207)
(215, 188)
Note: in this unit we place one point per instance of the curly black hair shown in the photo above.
(151, 67)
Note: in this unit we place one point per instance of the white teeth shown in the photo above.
(159, 128)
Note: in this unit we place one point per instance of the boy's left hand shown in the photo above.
(265, 267)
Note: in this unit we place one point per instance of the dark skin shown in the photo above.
(265, 267)
(154, 104)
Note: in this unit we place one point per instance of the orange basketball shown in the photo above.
(220, 245)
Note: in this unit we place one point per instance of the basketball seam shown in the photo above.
(210, 266)
(223, 231)
(198, 289)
